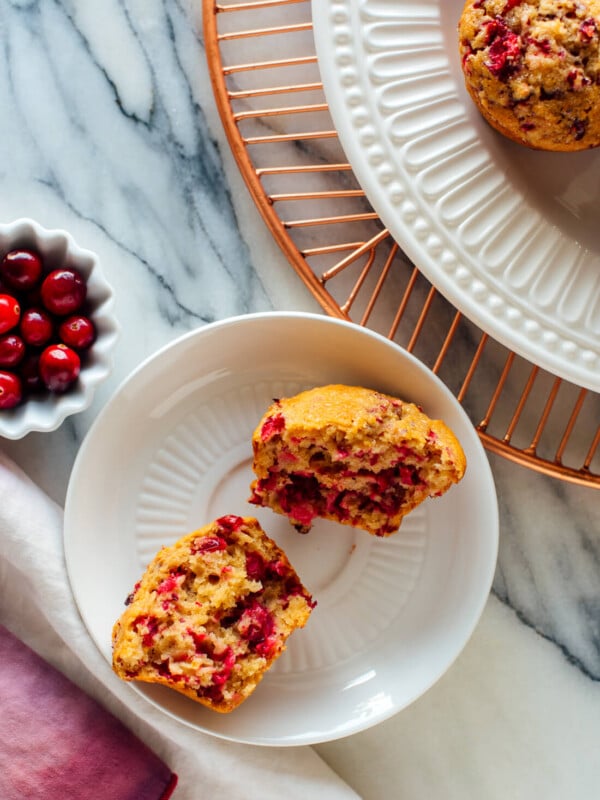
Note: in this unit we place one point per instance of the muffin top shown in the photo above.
(533, 69)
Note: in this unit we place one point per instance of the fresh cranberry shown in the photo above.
(269, 483)
(588, 29)
(10, 312)
(170, 584)
(201, 643)
(59, 367)
(147, 626)
(11, 390)
(256, 623)
(37, 311)
(504, 54)
(229, 523)
(272, 426)
(542, 45)
(409, 476)
(300, 498)
(21, 269)
(78, 332)
(12, 350)
(227, 657)
(130, 597)
(29, 370)
(278, 567)
(267, 647)
(255, 566)
(63, 291)
(212, 693)
(208, 544)
(36, 327)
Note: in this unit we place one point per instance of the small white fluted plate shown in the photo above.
(509, 235)
(171, 451)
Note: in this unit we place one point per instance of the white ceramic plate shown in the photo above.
(171, 451)
(510, 236)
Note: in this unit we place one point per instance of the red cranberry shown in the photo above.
(504, 54)
(59, 367)
(227, 657)
(37, 311)
(10, 312)
(171, 583)
(11, 390)
(588, 29)
(229, 523)
(78, 332)
(213, 693)
(147, 626)
(21, 269)
(208, 544)
(272, 426)
(36, 327)
(29, 370)
(63, 291)
(255, 566)
(12, 350)
(130, 597)
(256, 623)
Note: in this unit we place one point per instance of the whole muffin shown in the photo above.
(352, 455)
(211, 614)
(532, 67)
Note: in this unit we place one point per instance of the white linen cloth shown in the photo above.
(36, 604)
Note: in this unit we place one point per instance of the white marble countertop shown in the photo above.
(110, 130)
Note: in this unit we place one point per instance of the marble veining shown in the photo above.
(109, 129)
(152, 179)
(549, 564)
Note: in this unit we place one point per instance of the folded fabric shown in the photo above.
(37, 605)
(55, 741)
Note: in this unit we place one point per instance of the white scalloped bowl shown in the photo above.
(57, 248)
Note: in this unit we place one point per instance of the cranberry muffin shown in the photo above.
(532, 67)
(352, 455)
(211, 614)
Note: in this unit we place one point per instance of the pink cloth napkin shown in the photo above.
(57, 742)
(36, 604)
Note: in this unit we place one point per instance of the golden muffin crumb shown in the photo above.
(211, 614)
(352, 455)
(532, 67)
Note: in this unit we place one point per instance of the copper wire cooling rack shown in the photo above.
(267, 86)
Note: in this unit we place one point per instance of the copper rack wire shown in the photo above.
(270, 98)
